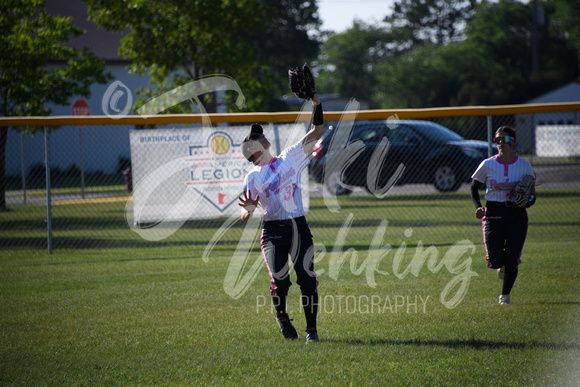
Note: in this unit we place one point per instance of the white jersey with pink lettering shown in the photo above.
(278, 184)
(501, 177)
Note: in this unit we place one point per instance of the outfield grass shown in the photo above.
(140, 312)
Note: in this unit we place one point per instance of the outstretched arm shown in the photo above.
(317, 125)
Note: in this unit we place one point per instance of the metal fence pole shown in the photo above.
(82, 149)
(23, 152)
(489, 136)
(48, 187)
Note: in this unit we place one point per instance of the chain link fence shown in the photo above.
(126, 185)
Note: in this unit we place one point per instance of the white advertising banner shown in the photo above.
(197, 173)
(558, 140)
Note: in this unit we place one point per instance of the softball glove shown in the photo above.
(523, 191)
(302, 82)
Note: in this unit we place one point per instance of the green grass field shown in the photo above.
(139, 312)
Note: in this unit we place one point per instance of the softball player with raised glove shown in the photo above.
(274, 183)
(509, 183)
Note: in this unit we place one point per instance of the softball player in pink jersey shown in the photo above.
(274, 183)
(504, 227)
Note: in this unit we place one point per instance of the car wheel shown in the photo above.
(334, 184)
(446, 178)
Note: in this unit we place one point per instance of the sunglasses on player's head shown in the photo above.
(504, 139)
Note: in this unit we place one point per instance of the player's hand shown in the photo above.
(247, 202)
(480, 213)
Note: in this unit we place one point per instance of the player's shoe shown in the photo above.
(501, 272)
(504, 299)
(311, 335)
(287, 328)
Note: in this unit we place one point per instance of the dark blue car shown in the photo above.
(377, 154)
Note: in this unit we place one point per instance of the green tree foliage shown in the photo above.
(398, 64)
(434, 21)
(565, 22)
(427, 76)
(491, 64)
(348, 59)
(288, 38)
(179, 41)
(500, 33)
(31, 39)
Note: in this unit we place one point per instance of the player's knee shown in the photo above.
(512, 265)
(495, 263)
(308, 285)
(280, 288)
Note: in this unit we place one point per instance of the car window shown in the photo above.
(367, 133)
(437, 133)
(403, 133)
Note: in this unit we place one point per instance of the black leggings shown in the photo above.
(281, 239)
(504, 234)
(291, 238)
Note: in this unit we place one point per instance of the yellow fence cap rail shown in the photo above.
(161, 119)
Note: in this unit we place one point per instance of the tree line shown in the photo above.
(424, 53)
(449, 53)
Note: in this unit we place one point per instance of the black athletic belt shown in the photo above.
(503, 204)
(285, 222)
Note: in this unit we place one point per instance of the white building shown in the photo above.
(526, 123)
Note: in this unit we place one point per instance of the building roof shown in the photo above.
(566, 93)
(104, 44)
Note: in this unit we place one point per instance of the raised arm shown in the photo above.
(317, 125)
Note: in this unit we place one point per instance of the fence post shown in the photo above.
(23, 152)
(82, 150)
(489, 136)
(48, 188)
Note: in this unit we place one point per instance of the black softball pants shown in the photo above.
(279, 241)
(504, 234)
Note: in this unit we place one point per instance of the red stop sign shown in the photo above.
(81, 108)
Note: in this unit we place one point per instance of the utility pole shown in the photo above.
(535, 66)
